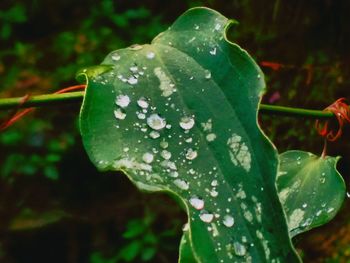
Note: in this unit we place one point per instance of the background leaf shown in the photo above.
(180, 116)
(310, 188)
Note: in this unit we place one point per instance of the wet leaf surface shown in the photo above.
(179, 116)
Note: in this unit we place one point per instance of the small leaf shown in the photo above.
(310, 189)
(180, 115)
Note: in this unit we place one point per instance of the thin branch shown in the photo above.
(56, 99)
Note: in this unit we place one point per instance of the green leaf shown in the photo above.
(310, 189)
(180, 115)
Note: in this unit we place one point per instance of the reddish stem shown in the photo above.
(19, 114)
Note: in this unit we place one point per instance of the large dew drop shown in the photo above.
(132, 80)
(166, 154)
(206, 217)
(228, 221)
(119, 114)
(147, 157)
(196, 202)
(115, 57)
(143, 103)
(239, 249)
(156, 122)
(122, 101)
(186, 123)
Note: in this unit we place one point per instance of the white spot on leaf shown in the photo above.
(239, 152)
(165, 86)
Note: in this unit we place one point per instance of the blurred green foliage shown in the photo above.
(55, 207)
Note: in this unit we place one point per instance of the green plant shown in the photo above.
(180, 115)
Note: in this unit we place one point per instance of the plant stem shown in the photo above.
(55, 99)
(41, 100)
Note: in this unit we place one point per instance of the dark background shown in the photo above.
(55, 206)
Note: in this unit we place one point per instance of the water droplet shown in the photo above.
(164, 144)
(150, 55)
(185, 227)
(228, 221)
(182, 184)
(119, 114)
(239, 249)
(210, 137)
(186, 123)
(214, 183)
(134, 69)
(168, 164)
(214, 193)
(213, 51)
(207, 74)
(191, 154)
(330, 210)
(122, 101)
(189, 140)
(115, 57)
(206, 217)
(132, 80)
(197, 202)
(154, 134)
(141, 116)
(147, 157)
(135, 47)
(143, 103)
(217, 27)
(196, 27)
(347, 194)
(304, 205)
(174, 174)
(156, 122)
(165, 154)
